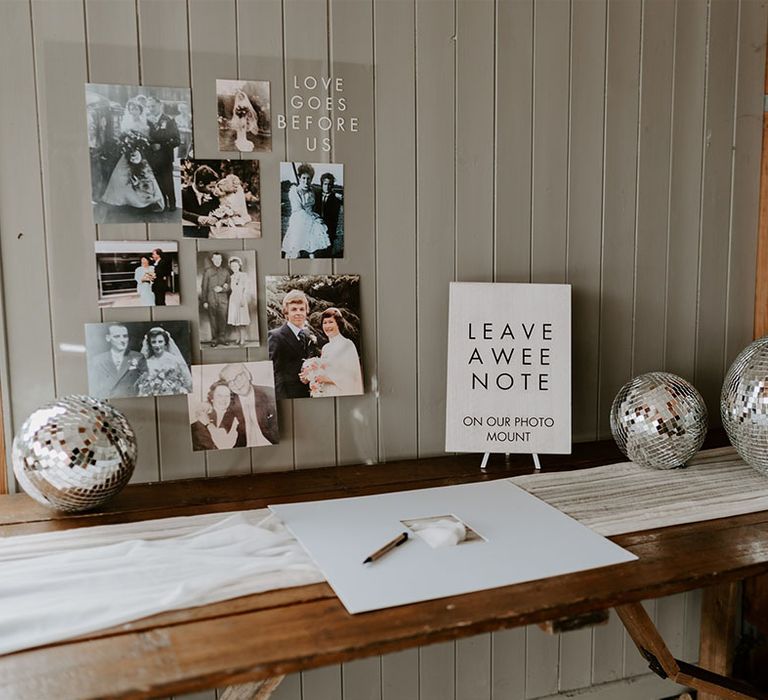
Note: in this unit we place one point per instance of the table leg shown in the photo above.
(720, 609)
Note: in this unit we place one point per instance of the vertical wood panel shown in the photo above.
(395, 178)
(585, 191)
(23, 229)
(260, 57)
(290, 687)
(715, 220)
(361, 679)
(306, 53)
(685, 186)
(607, 652)
(653, 185)
(550, 140)
(473, 668)
(746, 178)
(619, 183)
(435, 123)
(352, 59)
(670, 621)
(400, 675)
(514, 126)
(322, 683)
(542, 659)
(692, 626)
(508, 659)
(575, 659)
(437, 671)
(474, 142)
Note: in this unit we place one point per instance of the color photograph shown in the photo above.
(312, 210)
(137, 273)
(136, 138)
(233, 405)
(314, 335)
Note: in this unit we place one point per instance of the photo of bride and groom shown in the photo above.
(221, 198)
(136, 136)
(137, 273)
(140, 358)
(314, 335)
(233, 405)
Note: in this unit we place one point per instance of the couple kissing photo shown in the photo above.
(137, 273)
(314, 335)
(136, 137)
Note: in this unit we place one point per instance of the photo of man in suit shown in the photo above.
(198, 200)
(163, 272)
(214, 293)
(253, 408)
(328, 206)
(163, 139)
(114, 373)
(290, 345)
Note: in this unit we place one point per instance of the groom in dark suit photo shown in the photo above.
(114, 373)
(328, 206)
(163, 139)
(290, 345)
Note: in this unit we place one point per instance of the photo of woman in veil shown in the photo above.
(167, 371)
(244, 115)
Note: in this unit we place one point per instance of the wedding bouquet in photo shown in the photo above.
(312, 369)
(232, 209)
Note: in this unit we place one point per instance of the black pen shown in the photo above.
(388, 547)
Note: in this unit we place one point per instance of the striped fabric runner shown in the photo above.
(625, 497)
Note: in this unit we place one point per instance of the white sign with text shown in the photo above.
(509, 368)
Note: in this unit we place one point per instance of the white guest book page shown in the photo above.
(515, 538)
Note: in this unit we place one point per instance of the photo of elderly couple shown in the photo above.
(314, 335)
(142, 358)
(136, 136)
(233, 405)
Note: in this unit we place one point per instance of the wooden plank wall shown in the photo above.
(610, 144)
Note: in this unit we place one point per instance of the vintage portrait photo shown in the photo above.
(136, 138)
(221, 198)
(140, 358)
(227, 303)
(137, 273)
(233, 405)
(312, 210)
(244, 119)
(314, 335)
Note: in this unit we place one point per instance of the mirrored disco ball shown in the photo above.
(659, 420)
(744, 405)
(74, 453)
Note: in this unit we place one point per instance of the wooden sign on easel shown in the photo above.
(509, 369)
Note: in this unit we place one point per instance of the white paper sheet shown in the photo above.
(524, 540)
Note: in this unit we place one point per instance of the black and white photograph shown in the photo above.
(233, 405)
(244, 118)
(137, 273)
(227, 298)
(136, 138)
(221, 198)
(314, 335)
(138, 358)
(312, 210)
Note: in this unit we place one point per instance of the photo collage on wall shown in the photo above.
(144, 171)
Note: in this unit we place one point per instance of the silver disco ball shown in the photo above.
(659, 420)
(74, 453)
(744, 405)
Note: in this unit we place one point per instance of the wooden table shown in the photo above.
(274, 633)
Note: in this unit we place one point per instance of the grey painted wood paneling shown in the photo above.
(716, 214)
(685, 186)
(585, 200)
(653, 185)
(24, 229)
(395, 177)
(511, 140)
(514, 128)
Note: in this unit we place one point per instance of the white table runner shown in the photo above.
(58, 585)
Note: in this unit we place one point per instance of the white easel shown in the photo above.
(486, 456)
